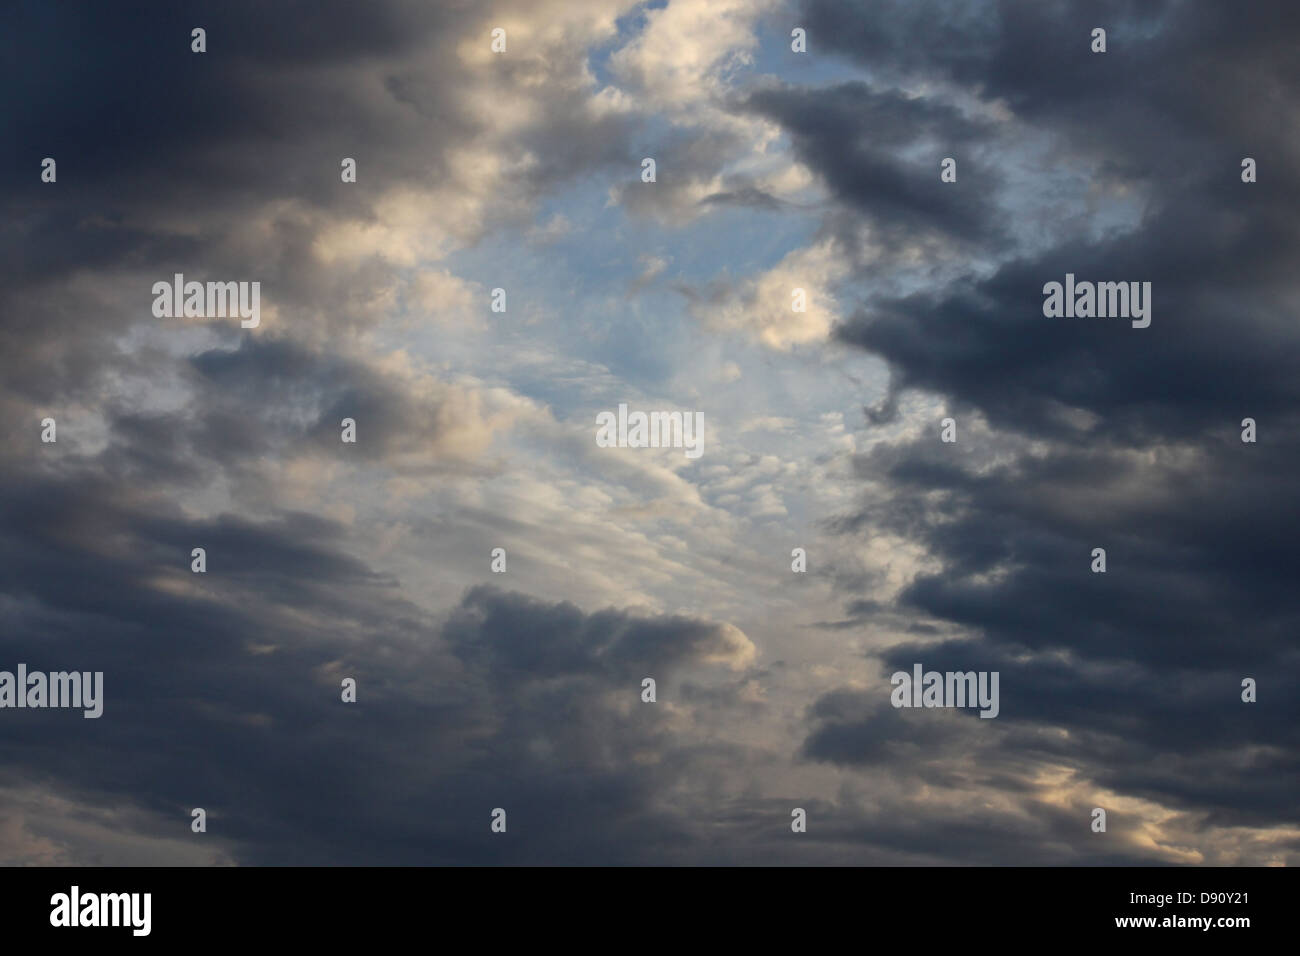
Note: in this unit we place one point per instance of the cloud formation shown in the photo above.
(777, 170)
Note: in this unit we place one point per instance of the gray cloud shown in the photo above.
(1135, 432)
(223, 689)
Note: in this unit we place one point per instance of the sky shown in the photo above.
(522, 690)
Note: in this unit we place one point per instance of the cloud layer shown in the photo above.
(776, 171)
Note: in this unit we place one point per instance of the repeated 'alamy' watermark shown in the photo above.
(75, 909)
(949, 689)
(57, 689)
(651, 430)
(215, 300)
(1102, 300)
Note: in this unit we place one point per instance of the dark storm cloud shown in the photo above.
(1172, 734)
(940, 750)
(283, 90)
(222, 691)
(1191, 556)
(853, 137)
(1137, 431)
(529, 640)
(240, 126)
(226, 165)
(158, 176)
(276, 395)
(252, 407)
(1215, 352)
(1196, 61)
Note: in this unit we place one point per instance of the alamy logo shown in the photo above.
(102, 909)
(57, 689)
(1103, 300)
(192, 300)
(951, 689)
(651, 430)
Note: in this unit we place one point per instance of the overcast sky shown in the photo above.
(476, 430)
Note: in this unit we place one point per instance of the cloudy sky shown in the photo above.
(775, 170)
